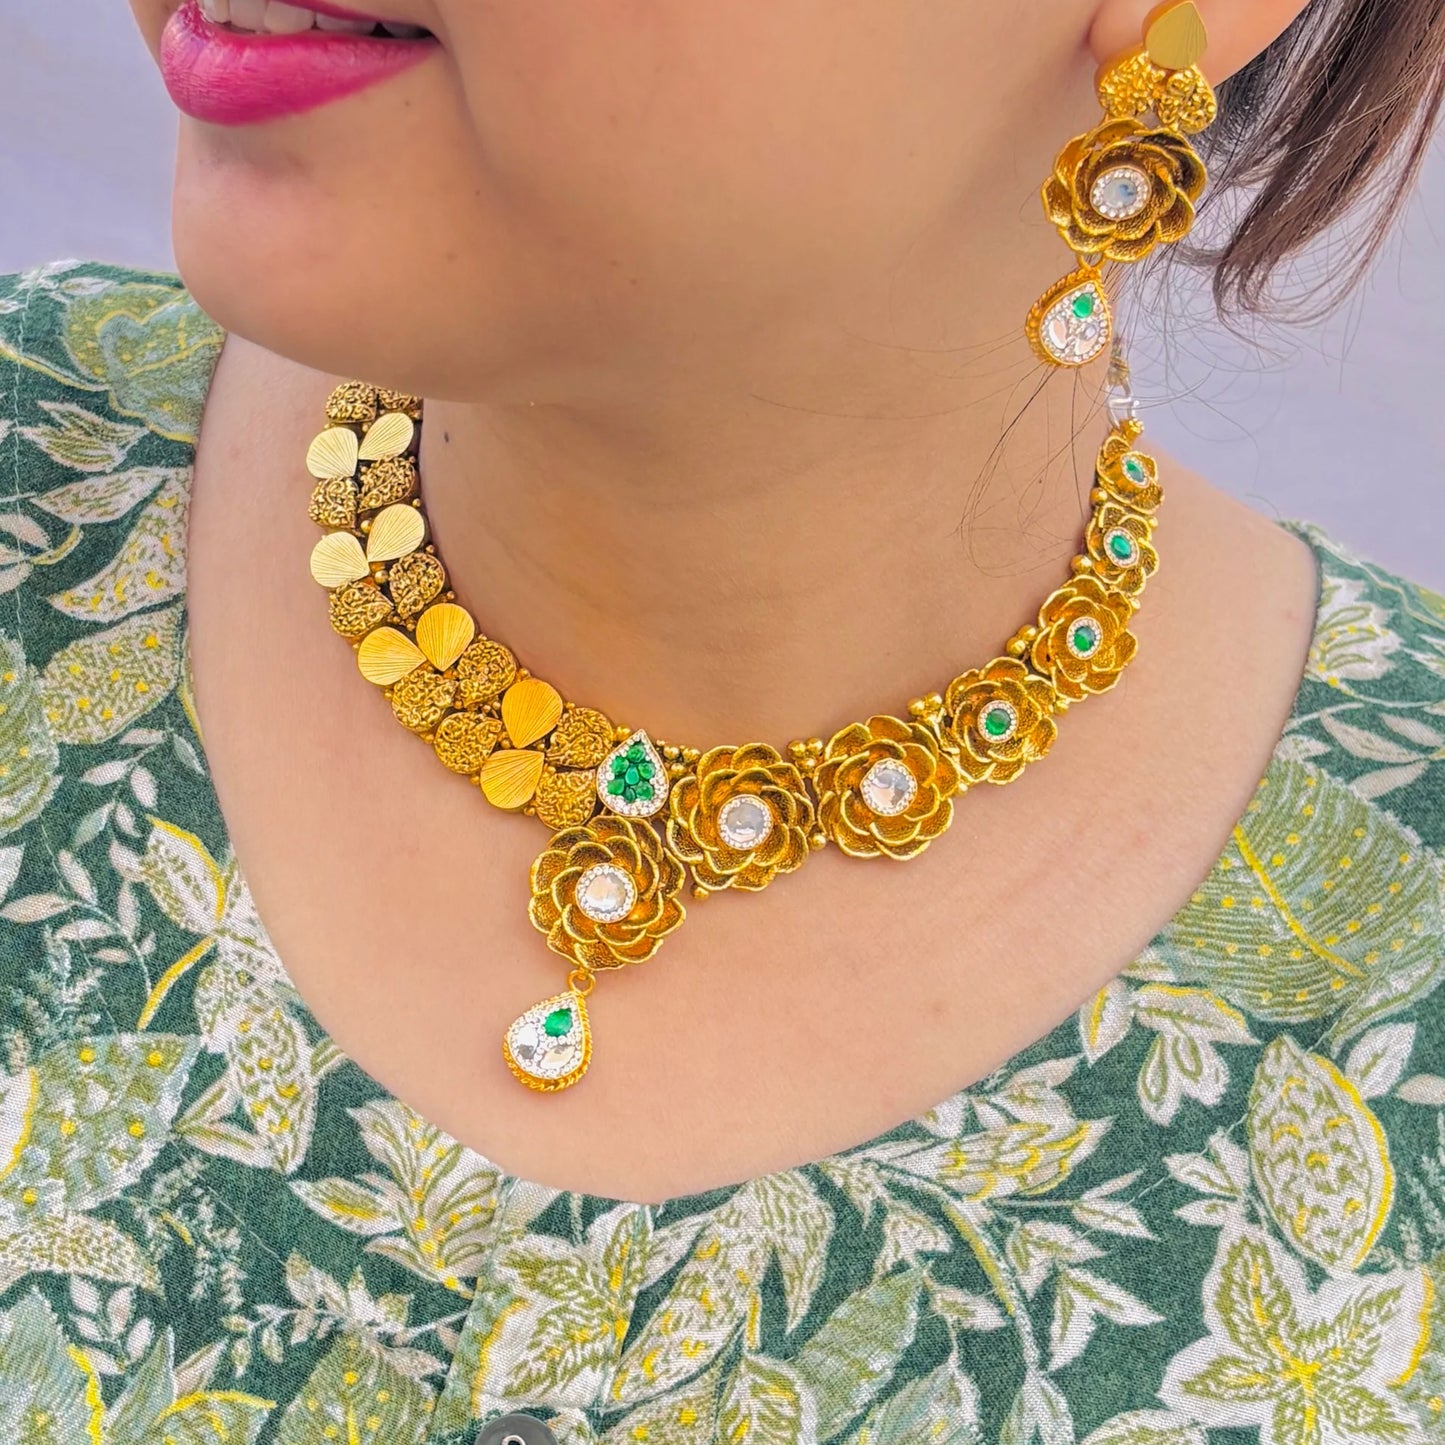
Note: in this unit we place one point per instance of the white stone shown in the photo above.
(1074, 340)
(1120, 193)
(745, 821)
(537, 1053)
(605, 893)
(888, 788)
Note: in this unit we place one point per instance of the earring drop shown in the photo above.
(1125, 186)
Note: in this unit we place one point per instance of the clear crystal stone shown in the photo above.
(888, 788)
(1120, 193)
(539, 1053)
(744, 822)
(1073, 339)
(605, 893)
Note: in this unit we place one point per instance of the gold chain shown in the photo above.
(607, 889)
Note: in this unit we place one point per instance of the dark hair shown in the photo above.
(1339, 111)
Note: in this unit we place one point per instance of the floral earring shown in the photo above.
(1124, 187)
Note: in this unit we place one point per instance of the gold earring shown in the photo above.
(1121, 189)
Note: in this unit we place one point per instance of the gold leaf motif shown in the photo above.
(565, 800)
(332, 453)
(394, 532)
(352, 401)
(530, 710)
(420, 699)
(464, 739)
(582, 739)
(386, 656)
(338, 559)
(510, 777)
(399, 401)
(390, 480)
(414, 580)
(387, 436)
(485, 670)
(1177, 39)
(444, 632)
(333, 502)
(356, 608)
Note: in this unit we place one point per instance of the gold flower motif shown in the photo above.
(1126, 475)
(694, 825)
(1001, 719)
(846, 760)
(1083, 640)
(1175, 176)
(1119, 543)
(635, 849)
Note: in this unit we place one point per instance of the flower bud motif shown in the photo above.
(630, 853)
(1083, 642)
(1000, 720)
(1128, 476)
(739, 818)
(847, 776)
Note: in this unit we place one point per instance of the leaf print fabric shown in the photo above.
(1207, 1210)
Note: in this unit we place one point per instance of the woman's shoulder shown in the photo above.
(93, 357)
(1370, 710)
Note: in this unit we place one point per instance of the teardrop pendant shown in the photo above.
(549, 1047)
(632, 778)
(1071, 323)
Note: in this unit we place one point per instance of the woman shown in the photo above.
(737, 428)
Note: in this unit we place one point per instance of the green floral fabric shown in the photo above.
(1208, 1210)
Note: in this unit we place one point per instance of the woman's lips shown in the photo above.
(229, 77)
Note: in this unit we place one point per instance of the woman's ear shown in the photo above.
(1238, 30)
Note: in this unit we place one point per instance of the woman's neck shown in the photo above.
(764, 564)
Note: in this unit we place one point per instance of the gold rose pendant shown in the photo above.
(549, 1047)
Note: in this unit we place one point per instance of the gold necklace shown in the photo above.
(633, 817)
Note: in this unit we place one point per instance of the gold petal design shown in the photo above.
(332, 453)
(486, 670)
(386, 655)
(530, 710)
(565, 800)
(1177, 39)
(352, 401)
(387, 436)
(444, 632)
(387, 481)
(356, 608)
(338, 559)
(333, 502)
(582, 739)
(421, 698)
(394, 532)
(464, 740)
(510, 777)
(414, 580)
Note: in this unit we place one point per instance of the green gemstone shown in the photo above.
(1084, 304)
(636, 753)
(616, 788)
(632, 775)
(619, 767)
(1122, 547)
(645, 770)
(557, 1023)
(1134, 470)
(996, 722)
(1085, 639)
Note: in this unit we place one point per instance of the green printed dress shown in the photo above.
(1208, 1210)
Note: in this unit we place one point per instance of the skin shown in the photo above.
(695, 295)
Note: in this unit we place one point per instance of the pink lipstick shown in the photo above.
(234, 77)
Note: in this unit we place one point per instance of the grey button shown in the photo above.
(516, 1430)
